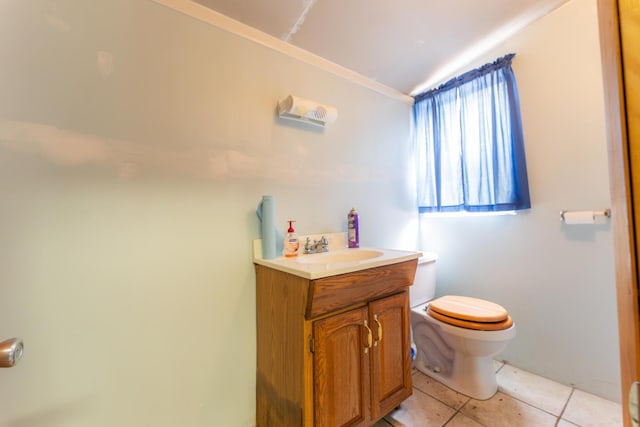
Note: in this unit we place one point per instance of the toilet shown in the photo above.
(456, 337)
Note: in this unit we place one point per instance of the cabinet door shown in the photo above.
(391, 353)
(341, 370)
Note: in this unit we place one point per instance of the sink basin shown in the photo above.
(338, 257)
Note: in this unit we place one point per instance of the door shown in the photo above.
(620, 36)
(341, 369)
(390, 354)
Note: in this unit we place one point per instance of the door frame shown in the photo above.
(625, 231)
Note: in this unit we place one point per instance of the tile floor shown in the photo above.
(522, 400)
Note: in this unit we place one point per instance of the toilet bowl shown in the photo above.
(456, 337)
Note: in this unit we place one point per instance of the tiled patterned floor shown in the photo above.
(522, 400)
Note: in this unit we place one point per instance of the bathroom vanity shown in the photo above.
(333, 340)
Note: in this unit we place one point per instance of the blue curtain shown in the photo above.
(469, 143)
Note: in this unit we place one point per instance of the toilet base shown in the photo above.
(472, 376)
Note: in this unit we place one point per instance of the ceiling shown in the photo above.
(408, 45)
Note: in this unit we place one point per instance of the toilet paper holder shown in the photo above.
(604, 212)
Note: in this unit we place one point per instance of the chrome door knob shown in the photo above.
(10, 352)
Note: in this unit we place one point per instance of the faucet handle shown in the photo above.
(307, 246)
(10, 352)
(323, 244)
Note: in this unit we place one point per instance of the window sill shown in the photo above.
(465, 214)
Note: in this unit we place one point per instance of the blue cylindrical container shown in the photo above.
(267, 214)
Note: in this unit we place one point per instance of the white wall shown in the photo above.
(556, 280)
(127, 206)
(128, 197)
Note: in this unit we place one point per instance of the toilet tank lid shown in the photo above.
(427, 257)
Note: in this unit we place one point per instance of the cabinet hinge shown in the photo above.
(312, 345)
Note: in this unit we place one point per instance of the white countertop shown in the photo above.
(300, 267)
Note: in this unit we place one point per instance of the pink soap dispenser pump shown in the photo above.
(291, 242)
(353, 232)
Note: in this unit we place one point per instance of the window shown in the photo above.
(469, 143)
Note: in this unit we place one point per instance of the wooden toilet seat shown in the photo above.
(469, 313)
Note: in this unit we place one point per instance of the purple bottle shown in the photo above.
(353, 233)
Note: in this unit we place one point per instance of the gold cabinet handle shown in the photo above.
(369, 337)
(379, 338)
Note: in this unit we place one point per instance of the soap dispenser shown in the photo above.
(291, 242)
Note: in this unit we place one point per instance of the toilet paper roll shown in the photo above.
(579, 217)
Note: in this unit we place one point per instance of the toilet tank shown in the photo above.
(424, 284)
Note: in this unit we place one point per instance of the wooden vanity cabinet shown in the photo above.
(333, 351)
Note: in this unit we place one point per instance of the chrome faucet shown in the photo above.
(317, 246)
